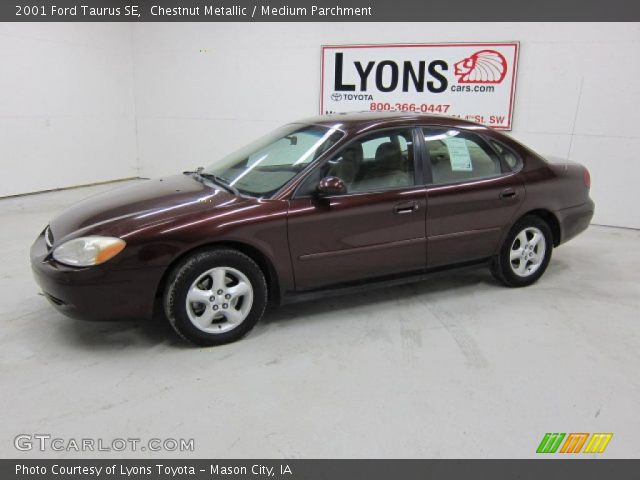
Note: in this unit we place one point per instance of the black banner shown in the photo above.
(317, 10)
(320, 469)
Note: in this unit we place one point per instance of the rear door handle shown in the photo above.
(406, 207)
(508, 193)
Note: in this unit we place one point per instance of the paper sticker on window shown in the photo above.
(459, 154)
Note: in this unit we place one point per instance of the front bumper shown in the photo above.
(95, 293)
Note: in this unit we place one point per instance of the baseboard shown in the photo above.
(74, 186)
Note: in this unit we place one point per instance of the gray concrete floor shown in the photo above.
(453, 367)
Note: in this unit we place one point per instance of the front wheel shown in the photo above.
(215, 297)
(525, 253)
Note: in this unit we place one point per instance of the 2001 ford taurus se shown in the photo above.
(323, 205)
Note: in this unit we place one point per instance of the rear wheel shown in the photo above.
(215, 297)
(525, 253)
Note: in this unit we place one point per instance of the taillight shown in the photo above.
(586, 176)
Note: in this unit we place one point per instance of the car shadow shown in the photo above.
(156, 331)
(378, 296)
(120, 334)
(432, 288)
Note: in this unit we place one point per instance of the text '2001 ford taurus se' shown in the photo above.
(320, 206)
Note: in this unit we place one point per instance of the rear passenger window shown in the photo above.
(458, 156)
(510, 158)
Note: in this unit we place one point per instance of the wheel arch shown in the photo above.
(551, 220)
(263, 261)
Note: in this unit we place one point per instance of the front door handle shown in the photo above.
(508, 193)
(406, 207)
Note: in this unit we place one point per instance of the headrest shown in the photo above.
(353, 153)
(388, 154)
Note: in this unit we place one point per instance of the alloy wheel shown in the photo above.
(527, 251)
(219, 300)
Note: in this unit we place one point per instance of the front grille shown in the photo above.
(48, 237)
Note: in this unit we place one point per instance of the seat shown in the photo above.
(347, 165)
(389, 169)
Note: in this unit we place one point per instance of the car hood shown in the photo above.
(120, 211)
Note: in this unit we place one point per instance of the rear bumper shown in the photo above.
(574, 220)
(95, 293)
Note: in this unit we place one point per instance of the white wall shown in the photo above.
(66, 105)
(203, 89)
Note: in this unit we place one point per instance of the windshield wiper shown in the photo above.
(220, 181)
(214, 178)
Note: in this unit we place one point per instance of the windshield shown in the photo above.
(261, 168)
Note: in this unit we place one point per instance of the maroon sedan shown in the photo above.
(325, 205)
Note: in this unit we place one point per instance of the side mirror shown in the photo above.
(329, 186)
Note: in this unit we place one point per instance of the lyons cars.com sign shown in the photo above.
(473, 81)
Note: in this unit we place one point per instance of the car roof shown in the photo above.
(355, 122)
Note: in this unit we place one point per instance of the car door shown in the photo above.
(472, 196)
(376, 229)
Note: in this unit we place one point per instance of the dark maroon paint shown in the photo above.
(305, 243)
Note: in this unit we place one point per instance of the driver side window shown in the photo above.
(379, 161)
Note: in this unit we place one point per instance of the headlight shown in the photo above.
(86, 251)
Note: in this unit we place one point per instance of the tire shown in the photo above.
(215, 297)
(518, 266)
